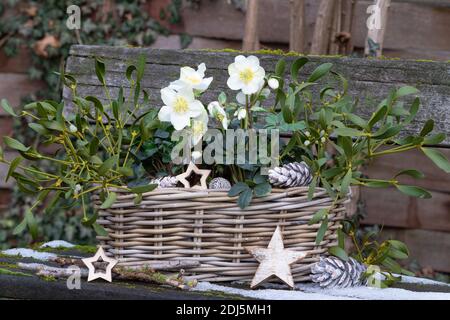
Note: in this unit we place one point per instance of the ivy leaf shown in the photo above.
(319, 72)
(338, 252)
(99, 230)
(438, 158)
(7, 107)
(414, 191)
(109, 201)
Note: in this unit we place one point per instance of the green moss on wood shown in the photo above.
(48, 278)
(8, 265)
(13, 273)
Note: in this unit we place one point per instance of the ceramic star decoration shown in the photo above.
(89, 262)
(193, 168)
(275, 260)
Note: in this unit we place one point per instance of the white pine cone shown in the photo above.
(165, 182)
(219, 183)
(332, 272)
(294, 174)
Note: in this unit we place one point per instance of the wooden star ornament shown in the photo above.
(275, 260)
(93, 274)
(201, 172)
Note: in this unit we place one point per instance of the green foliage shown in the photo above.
(99, 147)
(127, 24)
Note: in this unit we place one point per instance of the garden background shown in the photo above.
(34, 42)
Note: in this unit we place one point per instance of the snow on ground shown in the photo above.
(29, 253)
(57, 244)
(311, 291)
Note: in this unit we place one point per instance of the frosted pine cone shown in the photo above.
(165, 182)
(332, 272)
(295, 174)
(219, 183)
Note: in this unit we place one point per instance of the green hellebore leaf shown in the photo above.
(280, 67)
(296, 66)
(262, 189)
(406, 90)
(237, 189)
(245, 198)
(320, 71)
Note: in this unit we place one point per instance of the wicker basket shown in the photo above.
(207, 226)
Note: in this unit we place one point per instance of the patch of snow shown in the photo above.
(408, 279)
(311, 291)
(57, 244)
(29, 253)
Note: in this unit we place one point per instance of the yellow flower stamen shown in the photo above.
(197, 128)
(193, 80)
(181, 105)
(246, 75)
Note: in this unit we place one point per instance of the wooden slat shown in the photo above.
(370, 80)
(428, 248)
(387, 166)
(391, 208)
(14, 86)
(411, 25)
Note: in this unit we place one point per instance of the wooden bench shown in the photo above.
(370, 80)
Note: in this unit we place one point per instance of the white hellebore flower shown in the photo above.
(194, 79)
(246, 74)
(273, 83)
(217, 112)
(179, 107)
(241, 113)
(199, 126)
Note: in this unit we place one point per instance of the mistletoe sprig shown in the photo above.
(100, 148)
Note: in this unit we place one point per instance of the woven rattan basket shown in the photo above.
(207, 226)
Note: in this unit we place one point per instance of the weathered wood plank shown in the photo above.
(387, 166)
(428, 248)
(370, 80)
(411, 24)
(390, 208)
(14, 86)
